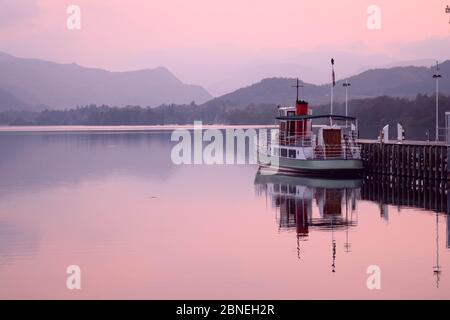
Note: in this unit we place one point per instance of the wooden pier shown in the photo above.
(424, 160)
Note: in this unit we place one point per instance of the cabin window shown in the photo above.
(291, 113)
(291, 127)
(292, 190)
(291, 153)
(276, 151)
(276, 187)
(283, 152)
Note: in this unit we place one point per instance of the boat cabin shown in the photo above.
(331, 137)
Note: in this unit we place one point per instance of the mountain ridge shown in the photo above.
(34, 84)
(402, 81)
(45, 84)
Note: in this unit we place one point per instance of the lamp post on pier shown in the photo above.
(346, 84)
(437, 76)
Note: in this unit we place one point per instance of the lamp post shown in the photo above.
(436, 76)
(346, 84)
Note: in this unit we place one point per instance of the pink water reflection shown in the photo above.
(197, 232)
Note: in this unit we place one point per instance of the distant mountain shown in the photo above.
(243, 76)
(406, 63)
(9, 102)
(404, 82)
(409, 63)
(43, 84)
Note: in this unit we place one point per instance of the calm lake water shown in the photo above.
(141, 227)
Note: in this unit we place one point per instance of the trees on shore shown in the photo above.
(416, 115)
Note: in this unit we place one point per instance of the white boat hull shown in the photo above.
(330, 167)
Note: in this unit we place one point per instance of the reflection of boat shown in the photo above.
(295, 195)
(327, 147)
(307, 205)
(312, 182)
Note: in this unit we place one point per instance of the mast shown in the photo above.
(298, 85)
(333, 83)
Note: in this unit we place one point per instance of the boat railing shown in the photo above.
(347, 149)
(296, 140)
(339, 151)
(352, 135)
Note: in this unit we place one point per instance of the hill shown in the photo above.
(43, 84)
(10, 102)
(405, 82)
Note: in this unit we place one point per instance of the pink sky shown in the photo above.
(201, 40)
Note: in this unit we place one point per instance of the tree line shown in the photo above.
(416, 115)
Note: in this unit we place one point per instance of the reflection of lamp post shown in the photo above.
(437, 76)
(437, 267)
(346, 84)
(347, 244)
(448, 231)
(333, 247)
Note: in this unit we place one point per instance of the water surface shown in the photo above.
(141, 227)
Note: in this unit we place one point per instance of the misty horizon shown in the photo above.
(265, 72)
(217, 48)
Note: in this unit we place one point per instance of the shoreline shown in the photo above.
(120, 128)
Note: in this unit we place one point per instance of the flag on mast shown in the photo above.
(332, 72)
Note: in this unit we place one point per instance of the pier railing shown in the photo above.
(412, 159)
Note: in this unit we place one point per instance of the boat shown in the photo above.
(311, 144)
